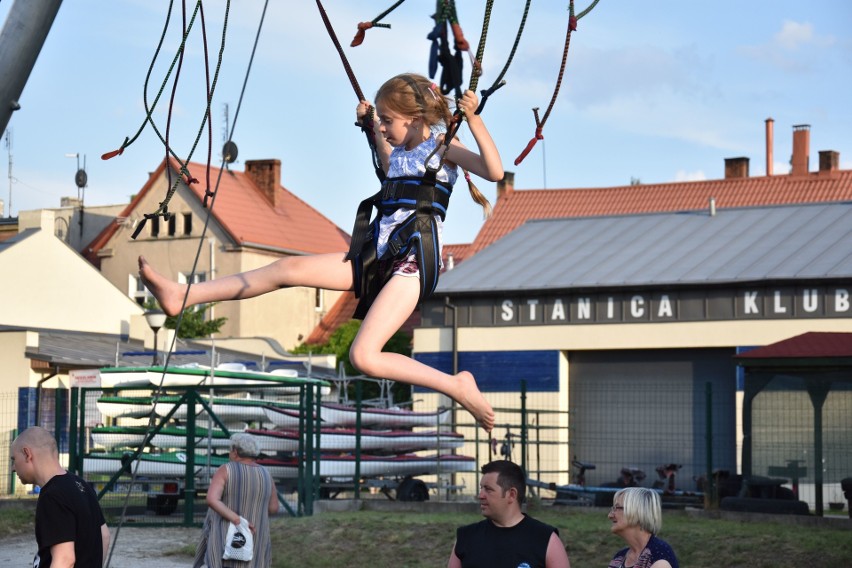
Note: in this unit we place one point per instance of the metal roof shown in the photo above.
(515, 207)
(814, 347)
(780, 243)
(79, 350)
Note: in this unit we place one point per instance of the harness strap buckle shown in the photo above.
(394, 246)
(389, 189)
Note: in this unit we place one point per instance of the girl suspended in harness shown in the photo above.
(394, 261)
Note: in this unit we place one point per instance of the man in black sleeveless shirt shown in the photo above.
(69, 525)
(507, 538)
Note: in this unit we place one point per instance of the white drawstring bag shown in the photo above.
(239, 544)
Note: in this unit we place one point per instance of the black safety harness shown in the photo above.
(418, 235)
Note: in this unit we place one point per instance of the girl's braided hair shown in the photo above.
(410, 94)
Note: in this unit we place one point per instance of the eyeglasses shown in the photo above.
(615, 508)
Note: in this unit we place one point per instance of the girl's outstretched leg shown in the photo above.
(169, 294)
(328, 271)
(391, 308)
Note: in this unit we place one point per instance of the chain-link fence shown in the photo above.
(798, 427)
(576, 446)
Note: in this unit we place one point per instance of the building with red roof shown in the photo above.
(737, 189)
(253, 220)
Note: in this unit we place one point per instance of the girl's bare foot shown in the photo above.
(472, 400)
(168, 294)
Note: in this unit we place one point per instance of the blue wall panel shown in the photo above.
(502, 371)
(27, 407)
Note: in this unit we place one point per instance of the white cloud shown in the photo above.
(794, 34)
(780, 168)
(790, 48)
(646, 71)
(683, 175)
(668, 115)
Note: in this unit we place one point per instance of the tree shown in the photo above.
(339, 344)
(194, 323)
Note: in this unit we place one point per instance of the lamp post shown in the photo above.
(156, 319)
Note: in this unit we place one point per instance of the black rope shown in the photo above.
(162, 210)
(170, 352)
(455, 123)
(367, 124)
(499, 82)
(333, 36)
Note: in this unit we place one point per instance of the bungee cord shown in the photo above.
(446, 18)
(152, 429)
(452, 65)
(162, 210)
(374, 23)
(476, 72)
(499, 82)
(368, 122)
(539, 123)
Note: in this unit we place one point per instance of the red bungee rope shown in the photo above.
(364, 26)
(539, 122)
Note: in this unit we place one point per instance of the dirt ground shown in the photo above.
(138, 547)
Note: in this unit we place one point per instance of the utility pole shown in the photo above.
(21, 40)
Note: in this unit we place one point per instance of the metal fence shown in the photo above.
(798, 426)
(673, 438)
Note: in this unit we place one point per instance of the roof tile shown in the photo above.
(246, 214)
(518, 206)
(250, 218)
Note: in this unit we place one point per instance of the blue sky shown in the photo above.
(661, 90)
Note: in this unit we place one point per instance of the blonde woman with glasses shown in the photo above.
(637, 517)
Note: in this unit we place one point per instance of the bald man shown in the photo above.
(70, 527)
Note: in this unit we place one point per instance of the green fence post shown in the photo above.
(189, 484)
(72, 431)
(81, 431)
(359, 395)
(309, 452)
(12, 474)
(58, 405)
(538, 445)
(710, 487)
(524, 447)
(317, 389)
(303, 443)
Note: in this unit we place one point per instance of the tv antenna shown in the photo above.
(81, 179)
(229, 148)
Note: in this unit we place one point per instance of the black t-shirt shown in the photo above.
(68, 511)
(485, 545)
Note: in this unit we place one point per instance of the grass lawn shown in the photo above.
(368, 538)
(410, 539)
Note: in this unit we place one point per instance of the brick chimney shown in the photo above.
(266, 175)
(506, 185)
(829, 161)
(801, 149)
(736, 168)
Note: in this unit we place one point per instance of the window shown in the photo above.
(187, 223)
(183, 277)
(318, 303)
(138, 291)
(155, 227)
(172, 225)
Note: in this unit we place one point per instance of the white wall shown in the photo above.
(46, 284)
